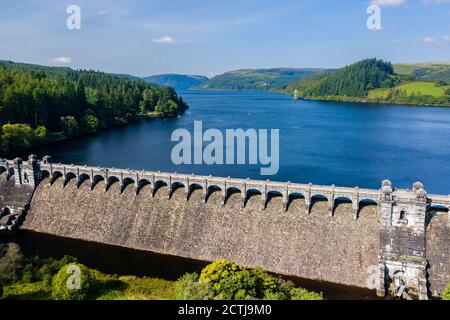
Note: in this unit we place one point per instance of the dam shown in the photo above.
(383, 239)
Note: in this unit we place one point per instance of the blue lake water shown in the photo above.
(345, 144)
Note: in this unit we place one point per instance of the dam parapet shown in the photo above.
(389, 239)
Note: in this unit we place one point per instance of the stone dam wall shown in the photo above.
(438, 253)
(316, 246)
(387, 239)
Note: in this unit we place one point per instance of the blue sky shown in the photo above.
(211, 36)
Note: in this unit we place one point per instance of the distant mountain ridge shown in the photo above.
(272, 79)
(177, 81)
(427, 71)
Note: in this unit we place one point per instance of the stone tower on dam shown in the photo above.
(387, 239)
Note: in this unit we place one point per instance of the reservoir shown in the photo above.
(346, 144)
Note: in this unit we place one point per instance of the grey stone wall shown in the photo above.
(438, 253)
(12, 197)
(317, 246)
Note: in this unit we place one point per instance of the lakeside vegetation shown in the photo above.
(40, 104)
(46, 279)
(374, 80)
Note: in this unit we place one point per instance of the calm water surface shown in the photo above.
(345, 144)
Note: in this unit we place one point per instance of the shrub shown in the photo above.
(240, 285)
(303, 294)
(70, 126)
(91, 124)
(446, 295)
(231, 282)
(61, 289)
(112, 295)
(275, 296)
(189, 288)
(40, 134)
(16, 137)
(266, 283)
(217, 271)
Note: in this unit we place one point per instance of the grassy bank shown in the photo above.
(50, 279)
(108, 287)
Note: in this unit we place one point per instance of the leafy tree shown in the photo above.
(17, 137)
(62, 291)
(11, 263)
(217, 271)
(225, 280)
(70, 126)
(41, 134)
(149, 100)
(90, 124)
(167, 108)
(189, 288)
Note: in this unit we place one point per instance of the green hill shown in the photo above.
(429, 71)
(374, 80)
(351, 81)
(36, 101)
(257, 79)
(177, 81)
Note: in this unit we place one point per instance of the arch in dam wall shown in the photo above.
(9, 171)
(333, 195)
(246, 187)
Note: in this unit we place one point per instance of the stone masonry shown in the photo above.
(376, 239)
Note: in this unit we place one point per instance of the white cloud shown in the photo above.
(428, 39)
(446, 37)
(388, 3)
(103, 13)
(62, 60)
(165, 39)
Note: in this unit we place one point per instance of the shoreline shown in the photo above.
(346, 100)
(58, 137)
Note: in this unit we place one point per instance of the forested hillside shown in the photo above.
(352, 81)
(37, 100)
(431, 71)
(374, 80)
(177, 81)
(257, 79)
